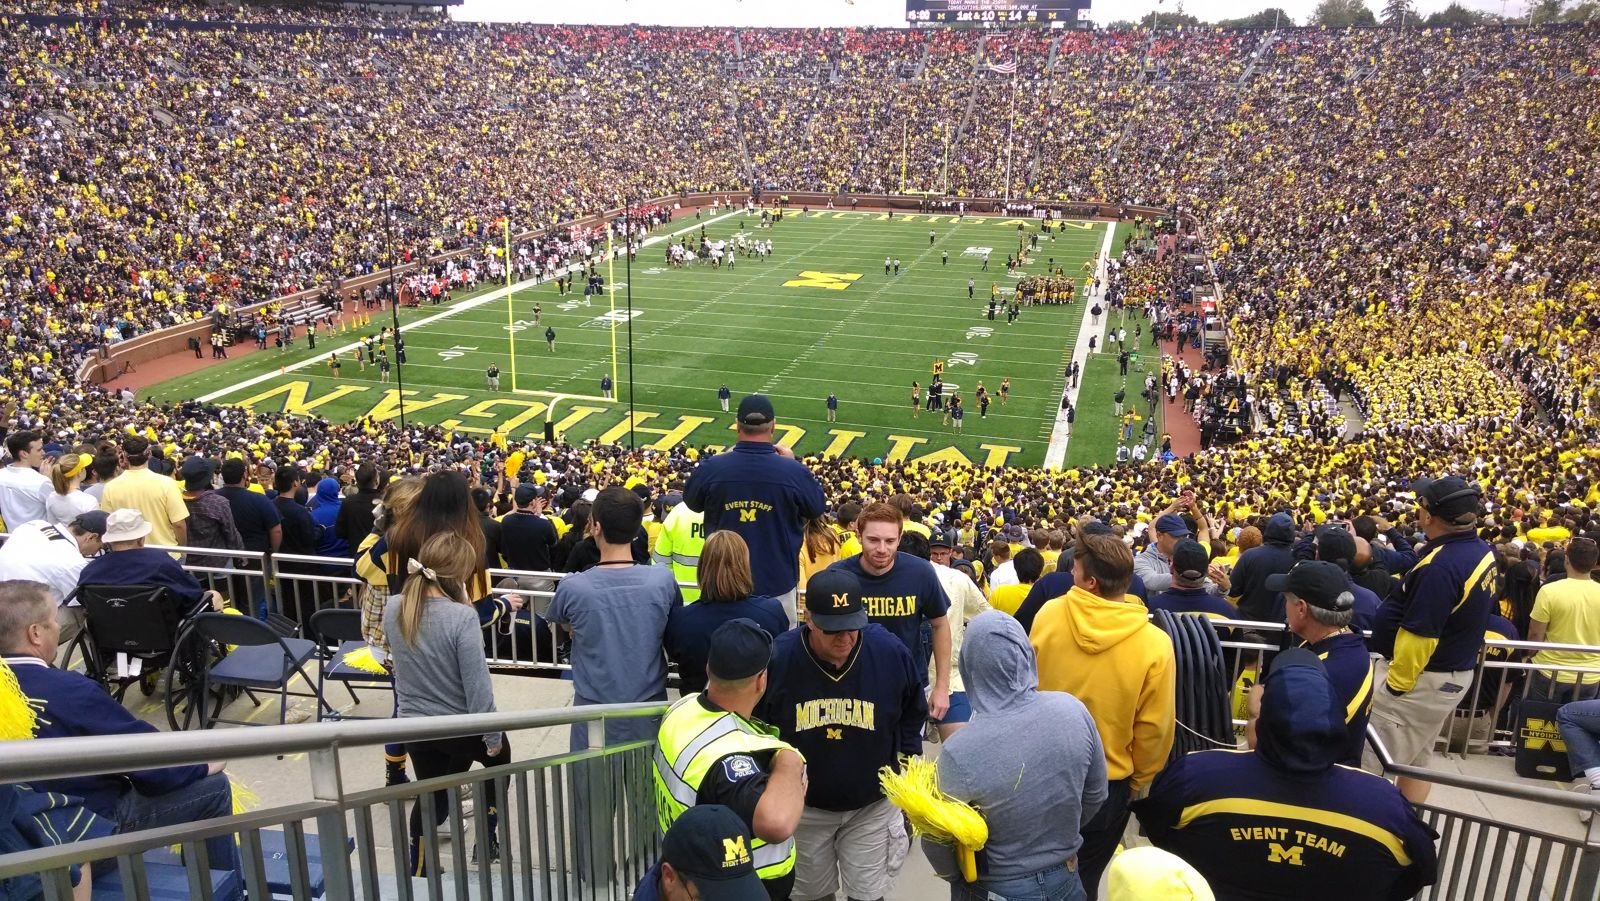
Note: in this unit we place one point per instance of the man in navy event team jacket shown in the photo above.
(75, 705)
(760, 491)
(847, 695)
(1283, 821)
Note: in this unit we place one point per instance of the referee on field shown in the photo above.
(1432, 630)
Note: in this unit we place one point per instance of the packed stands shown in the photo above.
(1367, 196)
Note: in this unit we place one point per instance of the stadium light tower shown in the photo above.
(627, 256)
(394, 300)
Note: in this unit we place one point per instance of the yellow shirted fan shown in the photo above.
(934, 814)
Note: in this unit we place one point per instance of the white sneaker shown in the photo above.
(1583, 787)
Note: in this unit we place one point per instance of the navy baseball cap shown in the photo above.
(1190, 560)
(1448, 497)
(1317, 582)
(739, 649)
(756, 410)
(526, 492)
(1173, 524)
(710, 846)
(1334, 544)
(833, 602)
(1301, 729)
(93, 521)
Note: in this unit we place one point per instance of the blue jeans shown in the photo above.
(1580, 729)
(1055, 884)
(209, 798)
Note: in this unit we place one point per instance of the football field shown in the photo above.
(818, 315)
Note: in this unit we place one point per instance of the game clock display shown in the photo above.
(1065, 13)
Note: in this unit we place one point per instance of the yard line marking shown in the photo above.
(1055, 454)
(459, 308)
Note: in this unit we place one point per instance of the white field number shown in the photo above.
(456, 352)
(979, 331)
(962, 358)
(521, 325)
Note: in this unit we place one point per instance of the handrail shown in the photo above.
(58, 758)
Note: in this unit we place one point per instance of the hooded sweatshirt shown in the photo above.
(325, 513)
(1109, 655)
(1029, 760)
(1283, 823)
(1248, 589)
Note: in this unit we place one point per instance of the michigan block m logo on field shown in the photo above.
(832, 281)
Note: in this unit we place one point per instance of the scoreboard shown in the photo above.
(1050, 13)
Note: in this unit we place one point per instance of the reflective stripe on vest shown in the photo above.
(691, 740)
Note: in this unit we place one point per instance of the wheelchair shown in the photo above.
(143, 623)
(130, 637)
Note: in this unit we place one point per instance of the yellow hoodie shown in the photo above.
(1108, 655)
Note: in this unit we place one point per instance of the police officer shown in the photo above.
(1283, 821)
(683, 534)
(712, 752)
(704, 856)
(1432, 630)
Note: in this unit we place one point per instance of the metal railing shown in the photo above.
(296, 585)
(1482, 858)
(580, 825)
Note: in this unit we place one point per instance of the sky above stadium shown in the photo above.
(858, 13)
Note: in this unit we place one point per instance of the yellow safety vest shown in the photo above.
(693, 738)
(682, 536)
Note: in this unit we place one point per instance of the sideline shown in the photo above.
(461, 307)
(1055, 455)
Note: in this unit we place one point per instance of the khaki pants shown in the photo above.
(848, 848)
(1409, 724)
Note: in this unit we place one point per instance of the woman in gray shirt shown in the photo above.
(439, 669)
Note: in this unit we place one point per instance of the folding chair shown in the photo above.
(337, 632)
(261, 659)
(128, 623)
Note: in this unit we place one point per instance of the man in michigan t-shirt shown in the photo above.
(902, 592)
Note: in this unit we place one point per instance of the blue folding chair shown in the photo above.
(337, 632)
(260, 658)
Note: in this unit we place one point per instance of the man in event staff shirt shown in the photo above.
(759, 490)
(1283, 821)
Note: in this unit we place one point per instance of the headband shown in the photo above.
(83, 463)
(415, 567)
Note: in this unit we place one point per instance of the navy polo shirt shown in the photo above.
(1349, 665)
(1448, 595)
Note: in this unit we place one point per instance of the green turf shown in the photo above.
(697, 328)
(1096, 433)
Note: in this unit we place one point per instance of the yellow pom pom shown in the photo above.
(363, 659)
(17, 715)
(934, 814)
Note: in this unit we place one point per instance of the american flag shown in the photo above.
(1009, 67)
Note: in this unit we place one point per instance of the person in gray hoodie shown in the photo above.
(1030, 761)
